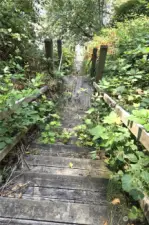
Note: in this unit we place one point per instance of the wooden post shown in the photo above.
(49, 54)
(94, 59)
(101, 62)
(59, 49)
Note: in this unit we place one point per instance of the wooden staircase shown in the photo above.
(63, 185)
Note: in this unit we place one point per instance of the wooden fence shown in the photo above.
(98, 67)
(98, 62)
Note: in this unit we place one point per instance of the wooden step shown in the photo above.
(60, 150)
(64, 162)
(71, 191)
(52, 211)
(64, 195)
(7, 221)
(61, 166)
(64, 182)
(69, 172)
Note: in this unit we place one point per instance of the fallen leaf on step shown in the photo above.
(21, 185)
(11, 196)
(20, 195)
(116, 201)
(70, 165)
(15, 188)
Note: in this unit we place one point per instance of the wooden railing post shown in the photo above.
(101, 62)
(49, 54)
(59, 49)
(94, 59)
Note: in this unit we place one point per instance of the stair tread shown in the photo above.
(61, 166)
(52, 211)
(69, 171)
(62, 181)
(52, 193)
(64, 195)
(59, 150)
(60, 147)
(74, 191)
(63, 162)
(6, 221)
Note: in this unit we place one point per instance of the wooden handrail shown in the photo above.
(136, 129)
(8, 113)
(19, 136)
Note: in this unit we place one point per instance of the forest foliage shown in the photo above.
(126, 80)
(23, 70)
(78, 19)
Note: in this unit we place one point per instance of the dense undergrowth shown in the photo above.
(103, 130)
(23, 68)
(126, 79)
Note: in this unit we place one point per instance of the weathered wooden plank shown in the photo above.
(9, 221)
(65, 195)
(49, 54)
(52, 211)
(109, 100)
(8, 148)
(70, 172)
(59, 49)
(101, 62)
(97, 87)
(145, 206)
(63, 182)
(94, 59)
(59, 162)
(60, 150)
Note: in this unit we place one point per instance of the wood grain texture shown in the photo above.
(52, 211)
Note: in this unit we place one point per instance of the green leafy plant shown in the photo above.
(141, 116)
(126, 160)
(65, 136)
(135, 214)
(51, 130)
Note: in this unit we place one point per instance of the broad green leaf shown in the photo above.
(113, 118)
(130, 98)
(134, 213)
(90, 111)
(2, 145)
(137, 119)
(136, 194)
(97, 131)
(136, 105)
(146, 126)
(127, 182)
(88, 121)
(145, 176)
(121, 89)
(120, 156)
(131, 157)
